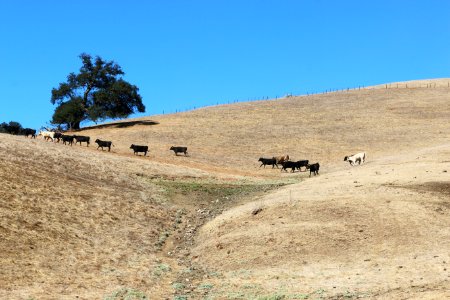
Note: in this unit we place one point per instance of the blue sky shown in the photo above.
(186, 54)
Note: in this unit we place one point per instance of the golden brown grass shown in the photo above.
(324, 128)
(76, 221)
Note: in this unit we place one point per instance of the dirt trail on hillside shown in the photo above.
(380, 230)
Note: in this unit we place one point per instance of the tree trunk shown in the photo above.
(76, 125)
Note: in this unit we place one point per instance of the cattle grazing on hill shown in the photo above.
(47, 135)
(301, 163)
(313, 169)
(29, 131)
(179, 150)
(67, 139)
(82, 139)
(294, 165)
(289, 164)
(102, 144)
(356, 158)
(57, 136)
(268, 161)
(281, 159)
(137, 149)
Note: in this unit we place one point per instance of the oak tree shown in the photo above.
(95, 93)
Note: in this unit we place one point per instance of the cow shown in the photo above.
(314, 168)
(102, 144)
(179, 150)
(268, 161)
(57, 136)
(67, 139)
(82, 139)
(281, 159)
(356, 158)
(29, 131)
(47, 134)
(137, 149)
(301, 163)
(289, 164)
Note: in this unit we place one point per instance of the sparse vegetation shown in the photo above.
(161, 269)
(178, 286)
(127, 294)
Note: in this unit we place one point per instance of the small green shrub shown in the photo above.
(127, 294)
(178, 286)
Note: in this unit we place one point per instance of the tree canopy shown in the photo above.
(95, 93)
(12, 127)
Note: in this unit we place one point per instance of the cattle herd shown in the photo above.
(286, 163)
(283, 160)
(70, 139)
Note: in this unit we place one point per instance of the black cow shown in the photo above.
(82, 138)
(302, 163)
(268, 161)
(179, 150)
(137, 149)
(314, 168)
(67, 139)
(58, 136)
(102, 144)
(289, 164)
(29, 131)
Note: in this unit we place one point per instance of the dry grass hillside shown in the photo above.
(79, 223)
(324, 128)
(379, 231)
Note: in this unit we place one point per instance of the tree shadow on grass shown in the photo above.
(121, 124)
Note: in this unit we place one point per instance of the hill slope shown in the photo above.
(379, 231)
(79, 222)
(325, 128)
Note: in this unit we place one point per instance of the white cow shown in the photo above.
(356, 158)
(47, 134)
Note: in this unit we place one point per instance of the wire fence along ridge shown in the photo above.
(402, 85)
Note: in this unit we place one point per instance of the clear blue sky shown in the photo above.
(189, 53)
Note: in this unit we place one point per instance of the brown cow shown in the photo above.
(281, 159)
